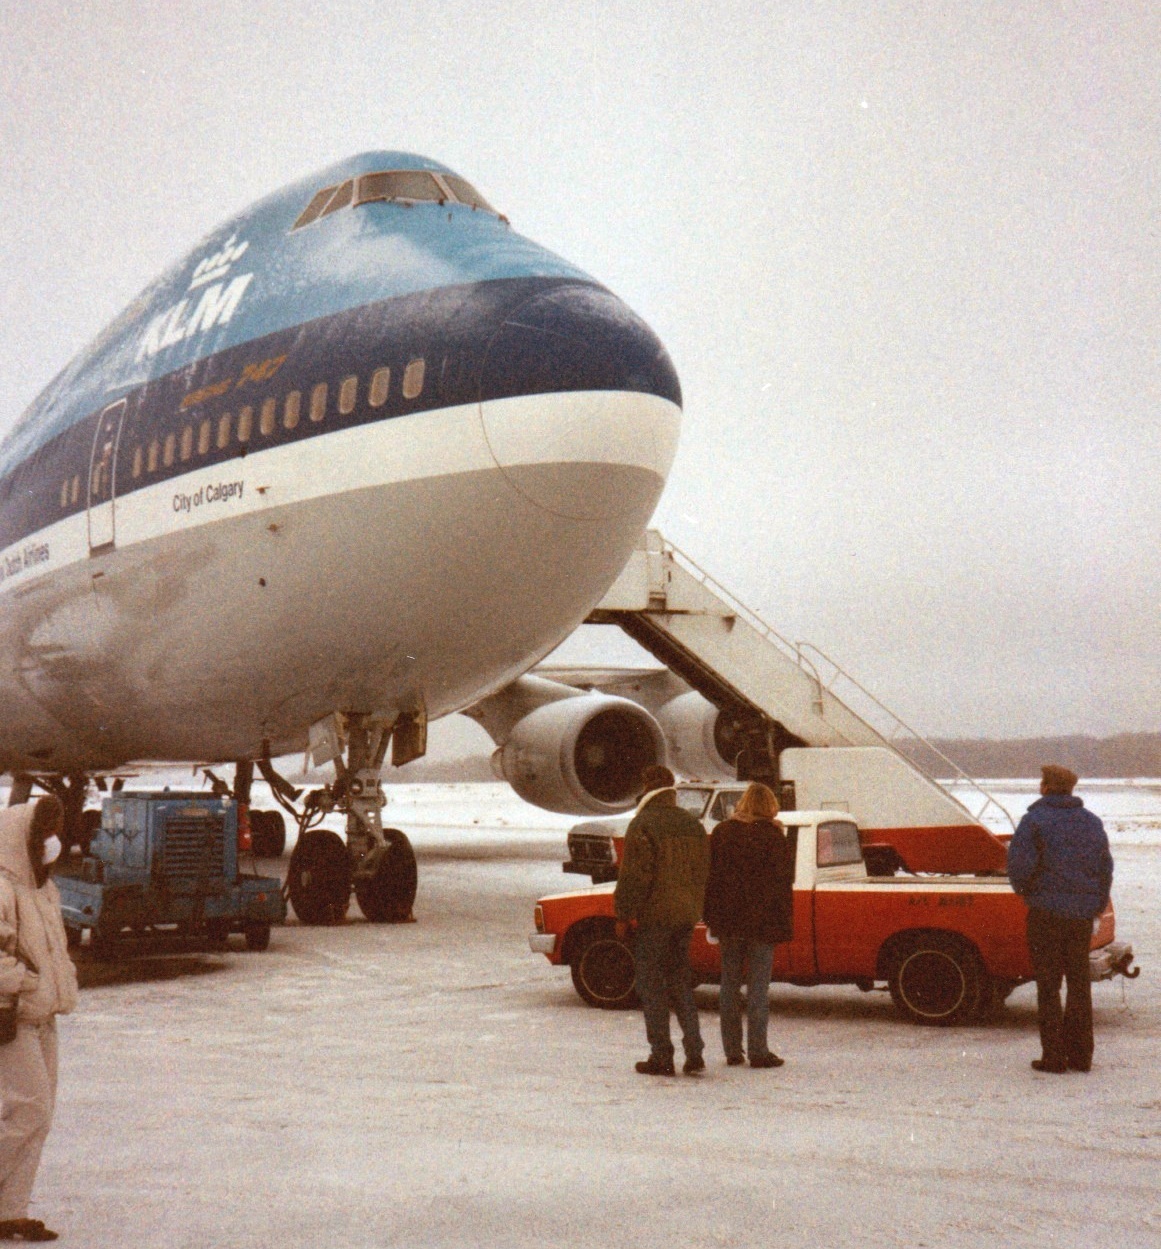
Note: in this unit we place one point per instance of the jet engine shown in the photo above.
(703, 741)
(581, 755)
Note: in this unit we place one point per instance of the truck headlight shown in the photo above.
(538, 916)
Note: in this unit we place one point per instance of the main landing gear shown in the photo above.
(377, 862)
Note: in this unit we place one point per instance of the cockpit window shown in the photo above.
(313, 210)
(465, 192)
(406, 186)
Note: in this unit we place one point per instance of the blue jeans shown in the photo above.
(664, 975)
(759, 958)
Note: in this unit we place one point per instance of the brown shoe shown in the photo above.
(1056, 1069)
(767, 1060)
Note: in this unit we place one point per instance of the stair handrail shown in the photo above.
(897, 723)
(798, 652)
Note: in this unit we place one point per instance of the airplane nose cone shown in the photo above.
(580, 404)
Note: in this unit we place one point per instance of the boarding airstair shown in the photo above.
(789, 694)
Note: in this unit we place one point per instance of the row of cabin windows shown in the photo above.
(218, 431)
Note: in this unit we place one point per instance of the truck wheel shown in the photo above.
(73, 937)
(604, 972)
(935, 979)
(386, 896)
(319, 878)
(268, 834)
(257, 937)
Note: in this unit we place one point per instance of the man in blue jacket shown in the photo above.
(1059, 862)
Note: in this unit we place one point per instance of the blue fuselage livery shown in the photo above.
(365, 449)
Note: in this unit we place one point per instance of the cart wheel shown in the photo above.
(319, 878)
(257, 937)
(386, 897)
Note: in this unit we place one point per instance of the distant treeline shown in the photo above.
(1125, 755)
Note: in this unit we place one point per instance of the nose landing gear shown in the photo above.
(378, 862)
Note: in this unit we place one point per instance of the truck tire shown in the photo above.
(257, 937)
(387, 896)
(935, 978)
(268, 834)
(604, 971)
(319, 878)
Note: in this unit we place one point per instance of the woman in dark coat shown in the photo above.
(748, 908)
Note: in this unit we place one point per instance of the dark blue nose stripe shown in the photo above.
(480, 341)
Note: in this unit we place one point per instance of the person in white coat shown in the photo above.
(36, 970)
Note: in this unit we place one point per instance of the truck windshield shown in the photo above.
(838, 843)
(693, 800)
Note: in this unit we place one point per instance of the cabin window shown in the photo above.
(64, 493)
(348, 395)
(170, 449)
(413, 379)
(224, 430)
(187, 442)
(75, 492)
(318, 402)
(838, 844)
(341, 199)
(245, 423)
(314, 209)
(138, 461)
(380, 386)
(205, 432)
(269, 413)
(154, 455)
(291, 410)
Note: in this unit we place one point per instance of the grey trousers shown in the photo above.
(28, 1095)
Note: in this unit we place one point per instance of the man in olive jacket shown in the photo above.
(660, 888)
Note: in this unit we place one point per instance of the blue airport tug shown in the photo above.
(165, 865)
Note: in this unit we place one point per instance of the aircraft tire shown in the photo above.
(268, 834)
(319, 878)
(388, 895)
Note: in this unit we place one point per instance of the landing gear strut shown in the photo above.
(379, 862)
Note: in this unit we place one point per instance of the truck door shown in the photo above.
(102, 478)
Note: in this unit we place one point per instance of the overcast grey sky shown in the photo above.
(904, 256)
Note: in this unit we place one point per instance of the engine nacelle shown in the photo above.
(582, 755)
(703, 741)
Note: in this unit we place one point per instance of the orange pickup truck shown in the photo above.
(949, 947)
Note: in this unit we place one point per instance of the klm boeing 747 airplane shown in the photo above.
(358, 461)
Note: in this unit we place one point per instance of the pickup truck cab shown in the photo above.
(950, 948)
(595, 847)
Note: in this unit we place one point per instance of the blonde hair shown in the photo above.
(757, 803)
